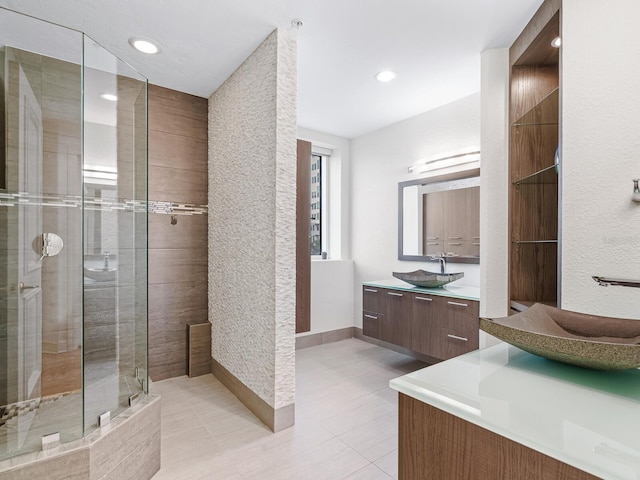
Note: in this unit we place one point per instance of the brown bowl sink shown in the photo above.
(590, 341)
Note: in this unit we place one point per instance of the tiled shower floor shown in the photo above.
(23, 424)
(346, 422)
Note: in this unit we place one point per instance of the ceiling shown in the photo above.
(434, 47)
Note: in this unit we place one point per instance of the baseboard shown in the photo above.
(396, 348)
(276, 419)
(306, 341)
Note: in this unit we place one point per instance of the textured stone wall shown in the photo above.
(252, 175)
(600, 225)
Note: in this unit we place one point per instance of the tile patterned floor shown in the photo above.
(346, 422)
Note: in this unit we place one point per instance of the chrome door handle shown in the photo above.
(370, 316)
(458, 304)
(455, 337)
(22, 287)
(425, 299)
(370, 290)
(395, 294)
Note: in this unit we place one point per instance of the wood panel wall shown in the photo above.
(303, 245)
(177, 253)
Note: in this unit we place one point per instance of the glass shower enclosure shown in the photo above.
(73, 234)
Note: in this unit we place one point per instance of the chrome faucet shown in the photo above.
(443, 262)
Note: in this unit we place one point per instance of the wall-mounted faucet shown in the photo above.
(106, 259)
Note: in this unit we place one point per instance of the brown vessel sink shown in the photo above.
(590, 341)
(422, 278)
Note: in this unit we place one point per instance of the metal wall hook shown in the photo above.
(174, 220)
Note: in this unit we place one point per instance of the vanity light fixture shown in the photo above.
(385, 76)
(110, 97)
(556, 42)
(454, 160)
(145, 45)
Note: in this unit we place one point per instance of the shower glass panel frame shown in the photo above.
(73, 234)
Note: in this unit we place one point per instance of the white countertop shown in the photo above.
(450, 290)
(585, 418)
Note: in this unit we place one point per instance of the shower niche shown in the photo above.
(73, 236)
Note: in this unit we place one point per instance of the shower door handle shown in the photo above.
(22, 287)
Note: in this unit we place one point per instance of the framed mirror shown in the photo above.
(440, 216)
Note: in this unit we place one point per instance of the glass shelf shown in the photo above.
(546, 175)
(530, 242)
(544, 113)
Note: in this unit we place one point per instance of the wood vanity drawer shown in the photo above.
(373, 299)
(371, 324)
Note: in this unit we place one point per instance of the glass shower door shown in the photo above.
(40, 309)
(115, 234)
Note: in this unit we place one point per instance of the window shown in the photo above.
(316, 210)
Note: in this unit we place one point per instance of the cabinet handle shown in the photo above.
(458, 304)
(476, 243)
(370, 290)
(370, 316)
(455, 238)
(475, 238)
(395, 294)
(455, 243)
(455, 337)
(432, 238)
(425, 299)
(433, 243)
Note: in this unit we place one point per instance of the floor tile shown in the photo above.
(370, 472)
(389, 464)
(346, 422)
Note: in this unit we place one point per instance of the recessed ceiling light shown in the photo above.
(556, 42)
(145, 45)
(385, 76)
(109, 96)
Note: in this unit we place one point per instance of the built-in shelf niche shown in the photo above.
(533, 143)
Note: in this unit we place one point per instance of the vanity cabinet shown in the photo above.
(372, 307)
(462, 222)
(458, 332)
(452, 223)
(383, 315)
(395, 327)
(427, 309)
(428, 323)
(433, 223)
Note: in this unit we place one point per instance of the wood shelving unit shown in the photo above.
(533, 142)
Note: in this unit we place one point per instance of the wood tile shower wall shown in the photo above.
(177, 253)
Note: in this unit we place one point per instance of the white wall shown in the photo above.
(252, 185)
(379, 161)
(332, 279)
(494, 186)
(600, 141)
